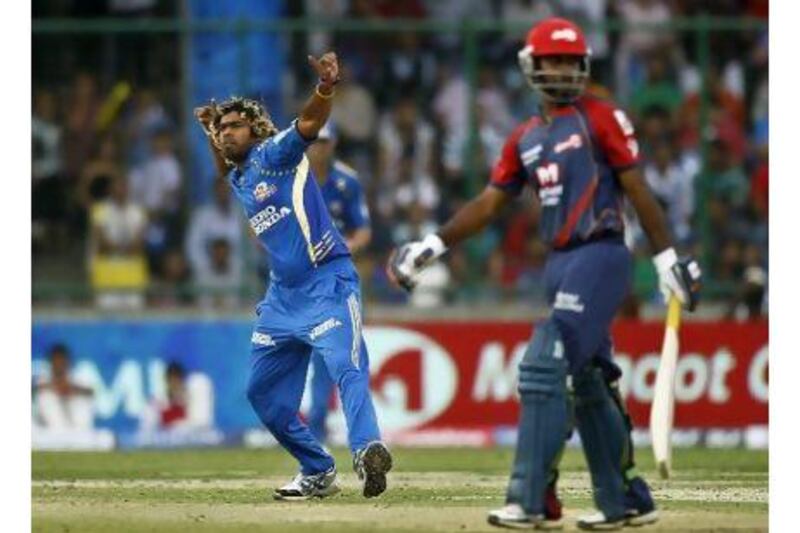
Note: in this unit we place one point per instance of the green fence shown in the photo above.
(469, 31)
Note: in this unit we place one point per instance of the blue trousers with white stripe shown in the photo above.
(320, 315)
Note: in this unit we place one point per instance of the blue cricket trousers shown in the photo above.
(585, 287)
(321, 314)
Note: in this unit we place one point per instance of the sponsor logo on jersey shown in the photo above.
(268, 217)
(574, 141)
(324, 328)
(568, 302)
(565, 34)
(262, 339)
(264, 191)
(531, 155)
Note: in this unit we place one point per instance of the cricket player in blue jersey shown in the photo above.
(347, 206)
(580, 157)
(313, 303)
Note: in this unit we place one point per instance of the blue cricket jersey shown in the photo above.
(283, 203)
(344, 197)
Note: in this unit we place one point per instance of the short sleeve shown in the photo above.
(615, 134)
(357, 210)
(286, 148)
(508, 173)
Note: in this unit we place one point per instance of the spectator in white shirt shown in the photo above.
(673, 186)
(214, 243)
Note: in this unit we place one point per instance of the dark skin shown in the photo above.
(235, 138)
(59, 378)
(481, 210)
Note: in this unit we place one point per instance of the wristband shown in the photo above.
(324, 96)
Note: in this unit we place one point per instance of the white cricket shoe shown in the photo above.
(512, 516)
(599, 522)
(306, 487)
(633, 518)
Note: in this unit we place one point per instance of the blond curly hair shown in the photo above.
(260, 122)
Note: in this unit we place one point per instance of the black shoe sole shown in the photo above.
(376, 462)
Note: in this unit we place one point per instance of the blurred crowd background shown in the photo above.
(125, 214)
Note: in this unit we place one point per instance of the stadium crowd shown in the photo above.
(110, 175)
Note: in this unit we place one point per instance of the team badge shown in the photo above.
(264, 191)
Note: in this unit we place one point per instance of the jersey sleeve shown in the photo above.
(357, 210)
(286, 148)
(615, 134)
(508, 173)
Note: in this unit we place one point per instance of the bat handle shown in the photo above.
(674, 313)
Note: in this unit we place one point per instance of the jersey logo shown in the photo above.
(565, 34)
(550, 189)
(568, 302)
(324, 328)
(264, 191)
(574, 141)
(262, 338)
(531, 155)
(268, 217)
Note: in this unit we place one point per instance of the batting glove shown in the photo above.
(680, 277)
(410, 259)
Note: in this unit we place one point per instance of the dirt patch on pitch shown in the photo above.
(319, 516)
(571, 484)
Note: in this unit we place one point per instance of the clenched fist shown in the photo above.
(206, 115)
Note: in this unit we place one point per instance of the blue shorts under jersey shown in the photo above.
(283, 203)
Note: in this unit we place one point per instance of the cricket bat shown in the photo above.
(663, 408)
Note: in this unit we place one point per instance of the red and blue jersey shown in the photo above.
(287, 213)
(573, 165)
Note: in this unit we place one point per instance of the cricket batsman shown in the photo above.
(313, 303)
(344, 197)
(580, 157)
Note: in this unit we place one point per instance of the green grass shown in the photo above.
(430, 489)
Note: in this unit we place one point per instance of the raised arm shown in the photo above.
(205, 116)
(317, 109)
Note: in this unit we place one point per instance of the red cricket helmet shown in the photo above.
(555, 37)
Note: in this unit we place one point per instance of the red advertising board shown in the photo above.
(462, 375)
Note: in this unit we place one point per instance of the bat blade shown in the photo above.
(663, 407)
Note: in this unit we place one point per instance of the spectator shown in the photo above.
(186, 406)
(450, 105)
(356, 117)
(155, 185)
(80, 130)
(405, 156)
(659, 90)
(673, 187)
(212, 262)
(146, 118)
(172, 288)
(99, 172)
(750, 296)
(48, 205)
(639, 40)
(61, 403)
(118, 267)
(411, 192)
(408, 66)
